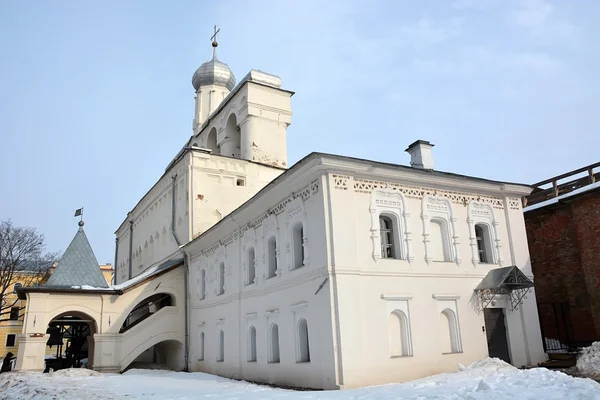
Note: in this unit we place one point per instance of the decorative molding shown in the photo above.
(440, 208)
(388, 296)
(344, 182)
(220, 321)
(252, 315)
(274, 311)
(302, 304)
(445, 296)
(481, 213)
(387, 202)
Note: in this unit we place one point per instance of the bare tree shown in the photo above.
(23, 259)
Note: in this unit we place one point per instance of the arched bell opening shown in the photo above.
(146, 308)
(71, 341)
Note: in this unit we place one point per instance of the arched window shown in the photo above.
(230, 146)
(484, 244)
(211, 141)
(400, 345)
(274, 344)
(439, 241)
(252, 344)
(202, 284)
(221, 353)
(298, 245)
(303, 348)
(251, 266)
(272, 254)
(221, 288)
(449, 336)
(388, 234)
(201, 347)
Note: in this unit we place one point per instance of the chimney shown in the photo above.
(420, 154)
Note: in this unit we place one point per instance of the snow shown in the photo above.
(555, 200)
(489, 379)
(588, 362)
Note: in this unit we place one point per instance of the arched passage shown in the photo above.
(71, 340)
(163, 351)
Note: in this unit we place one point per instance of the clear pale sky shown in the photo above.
(96, 97)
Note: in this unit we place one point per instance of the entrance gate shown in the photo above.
(495, 329)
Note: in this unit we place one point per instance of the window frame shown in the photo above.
(251, 259)
(252, 353)
(300, 358)
(272, 257)
(298, 260)
(221, 278)
(274, 357)
(14, 336)
(391, 204)
(11, 313)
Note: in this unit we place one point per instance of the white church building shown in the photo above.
(333, 273)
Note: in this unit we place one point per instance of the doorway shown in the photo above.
(495, 328)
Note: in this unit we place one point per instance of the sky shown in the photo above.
(96, 97)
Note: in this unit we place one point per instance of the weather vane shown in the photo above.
(79, 212)
(214, 41)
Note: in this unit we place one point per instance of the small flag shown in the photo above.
(79, 212)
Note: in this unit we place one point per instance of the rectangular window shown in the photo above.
(14, 313)
(386, 230)
(11, 340)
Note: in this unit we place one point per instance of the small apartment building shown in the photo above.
(563, 230)
(345, 272)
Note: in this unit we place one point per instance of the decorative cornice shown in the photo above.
(446, 296)
(388, 296)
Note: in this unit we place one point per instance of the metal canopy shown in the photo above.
(509, 281)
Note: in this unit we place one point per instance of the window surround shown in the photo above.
(483, 214)
(447, 303)
(399, 303)
(300, 312)
(221, 345)
(202, 346)
(437, 208)
(392, 205)
(249, 242)
(270, 230)
(296, 214)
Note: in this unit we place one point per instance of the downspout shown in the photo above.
(114, 275)
(185, 274)
(130, 248)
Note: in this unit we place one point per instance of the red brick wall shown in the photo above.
(564, 245)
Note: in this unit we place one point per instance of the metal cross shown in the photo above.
(214, 41)
(214, 37)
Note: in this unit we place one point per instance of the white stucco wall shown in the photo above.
(283, 299)
(370, 288)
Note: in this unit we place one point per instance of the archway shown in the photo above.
(72, 333)
(211, 141)
(160, 352)
(230, 146)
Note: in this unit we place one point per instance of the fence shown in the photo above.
(557, 328)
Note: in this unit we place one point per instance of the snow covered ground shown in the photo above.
(490, 379)
(588, 362)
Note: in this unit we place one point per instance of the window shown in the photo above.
(449, 332)
(303, 348)
(221, 282)
(438, 239)
(240, 182)
(201, 350)
(17, 285)
(272, 254)
(251, 266)
(484, 245)
(221, 353)
(298, 245)
(252, 344)
(400, 345)
(14, 313)
(11, 340)
(202, 284)
(274, 344)
(386, 231)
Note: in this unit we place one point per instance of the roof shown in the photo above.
(565, 197)
(508, 278)
(34, 266)
(78, 266)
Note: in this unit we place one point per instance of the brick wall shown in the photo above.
(564, 245)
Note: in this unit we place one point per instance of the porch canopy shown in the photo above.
(509, 281)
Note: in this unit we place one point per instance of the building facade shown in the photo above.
(563, 231)
(333, 273)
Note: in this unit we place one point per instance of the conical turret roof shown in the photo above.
(78, 266)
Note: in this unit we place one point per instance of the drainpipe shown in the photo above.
(130, 248)
(185, 273)
(114, 276)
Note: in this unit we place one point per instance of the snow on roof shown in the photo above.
(555, 200)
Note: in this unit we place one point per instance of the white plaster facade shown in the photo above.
(351, 317)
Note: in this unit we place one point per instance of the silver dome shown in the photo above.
(213, 72)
